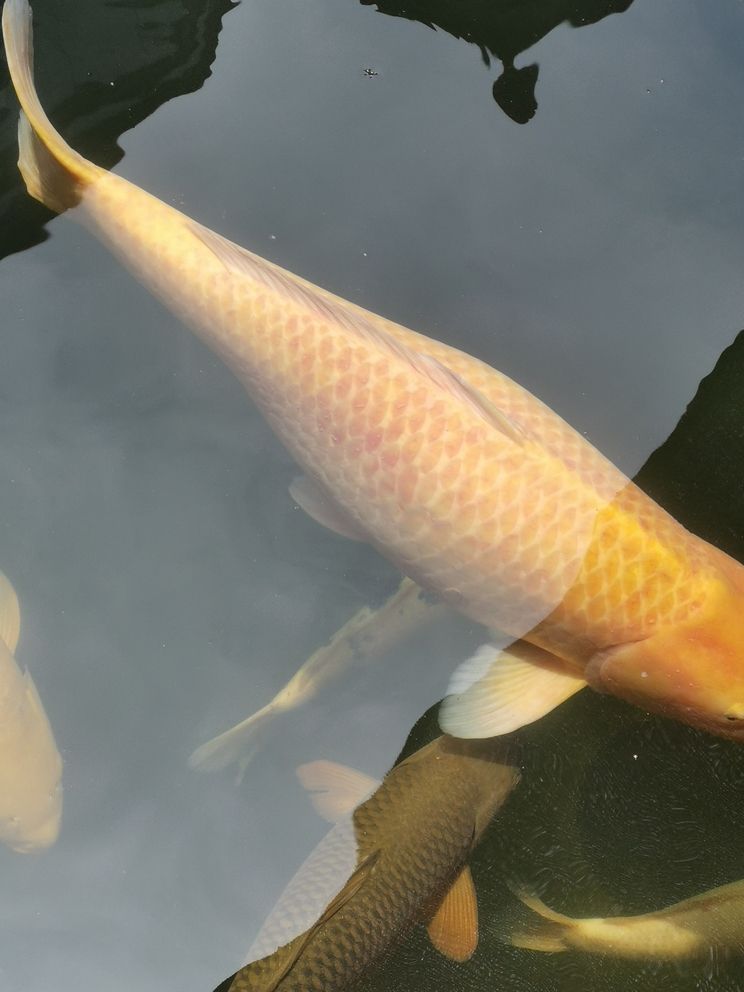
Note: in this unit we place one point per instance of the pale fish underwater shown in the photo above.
(30, 764)
(712, 921)
(395, 858)
(463, 479)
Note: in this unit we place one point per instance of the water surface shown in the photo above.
(168, 584)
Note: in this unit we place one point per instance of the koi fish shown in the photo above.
(468, 483)
(30, 765)
(402, 856)
(711, 921)
(367, 634)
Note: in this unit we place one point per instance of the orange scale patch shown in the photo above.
(406, 483)
(362, 374)
(372, 440)
(342, 387)
(356, 426)
(394, 430)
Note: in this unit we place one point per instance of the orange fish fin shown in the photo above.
(497, 691)
(336, 789)
(316, 503)
(453, 929)
(10, 614)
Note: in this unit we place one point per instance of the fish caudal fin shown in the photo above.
(53, 172)
(453, 929)
(548, 932)
(238, 744)
(497, 691)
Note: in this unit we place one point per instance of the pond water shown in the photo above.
(168, 584)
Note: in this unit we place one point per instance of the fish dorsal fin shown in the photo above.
(324, 510)
(499, 690)
(240, 260)
(336, 790)
(472, 397)
(453, 929)
(10, 614)
(353, 885)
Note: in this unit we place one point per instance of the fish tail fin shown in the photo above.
(54, 173)
(548, 932)
(237, 744)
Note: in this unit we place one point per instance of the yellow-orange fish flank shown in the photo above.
(458, 475)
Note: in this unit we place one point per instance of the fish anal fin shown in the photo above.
(10, 614)
(453, 929)
(310, 497)
(336, 790)
(497, 691)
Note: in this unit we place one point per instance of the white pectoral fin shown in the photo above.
(500, 690)
(453, 929)
(336, 790)
(309, 496)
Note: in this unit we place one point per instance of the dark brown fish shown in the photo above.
(410, 840)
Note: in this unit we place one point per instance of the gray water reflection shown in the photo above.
(595, 256)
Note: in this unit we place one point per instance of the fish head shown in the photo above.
(692, 671)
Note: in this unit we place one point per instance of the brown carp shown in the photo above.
(402, 856)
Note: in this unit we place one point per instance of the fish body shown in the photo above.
(462, 478)
(30, 764)
(406, 849)
(708, 922)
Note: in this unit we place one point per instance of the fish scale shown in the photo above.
(459, 476)
(436, 498)
(417, 830)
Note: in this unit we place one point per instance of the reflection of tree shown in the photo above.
(102, 66)
(697, 473)
(502, 29)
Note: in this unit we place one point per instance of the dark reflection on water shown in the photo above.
(107, 66)
(697, 473)
(503, 29)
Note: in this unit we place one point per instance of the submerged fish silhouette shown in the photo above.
(466, 481)
(398, 858)
(30, 765)
(695, 927)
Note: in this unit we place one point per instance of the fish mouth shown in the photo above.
(729, 725)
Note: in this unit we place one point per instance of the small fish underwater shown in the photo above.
(466, 482)
(396, 857)
(30, 764)
(712, 921)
